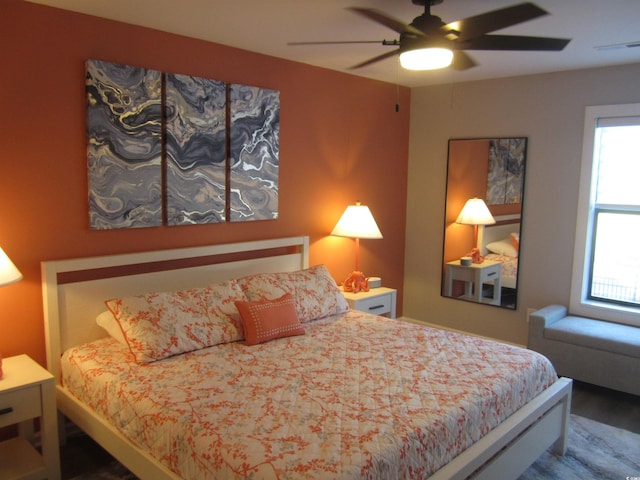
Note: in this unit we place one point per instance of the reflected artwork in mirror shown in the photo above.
(483, 215)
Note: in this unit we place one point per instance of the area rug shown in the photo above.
(595, 452)
(112, 471)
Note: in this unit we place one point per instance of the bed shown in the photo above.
(500, 243)
(351, 396)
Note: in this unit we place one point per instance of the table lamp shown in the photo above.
(475, 212)
(8, 274)
(357, 222)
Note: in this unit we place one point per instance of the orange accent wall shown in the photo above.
(341, 141)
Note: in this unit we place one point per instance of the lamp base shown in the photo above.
(356, 282)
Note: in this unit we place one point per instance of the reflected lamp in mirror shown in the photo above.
(475, 212)
(357, 222)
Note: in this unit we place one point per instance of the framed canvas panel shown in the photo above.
(124, 123)
(195, 110)
(505, 178)
(254, 153)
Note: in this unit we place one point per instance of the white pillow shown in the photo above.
(107, 321)
(503, 247)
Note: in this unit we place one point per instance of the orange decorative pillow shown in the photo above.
(265, 320)
(515, 240)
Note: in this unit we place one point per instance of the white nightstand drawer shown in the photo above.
(19, 405)
(377, 305)
(377, 301)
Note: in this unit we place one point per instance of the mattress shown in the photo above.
(357, 396)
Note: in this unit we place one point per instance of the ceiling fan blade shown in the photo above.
(384, 56)
(515, 42)
(386, 20)
(617, 46)
(335, 42)
(495, 20)
(462, 61)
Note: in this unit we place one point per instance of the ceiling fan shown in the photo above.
(427, 34)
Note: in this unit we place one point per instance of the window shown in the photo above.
(606, 273)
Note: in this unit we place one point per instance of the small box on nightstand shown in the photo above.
(374, 282)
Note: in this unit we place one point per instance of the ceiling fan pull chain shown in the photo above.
(397, 86)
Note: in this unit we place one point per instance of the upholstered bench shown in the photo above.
(593, 351)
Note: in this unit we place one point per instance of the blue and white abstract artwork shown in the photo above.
(195, 110)
(254, 153)
(124, 124)
(505, 179)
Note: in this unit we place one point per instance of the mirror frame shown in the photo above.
(500, 165)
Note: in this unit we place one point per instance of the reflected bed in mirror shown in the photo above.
(490, 173)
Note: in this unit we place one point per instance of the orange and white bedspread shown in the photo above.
(357, 396)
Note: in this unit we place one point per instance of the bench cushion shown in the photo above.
(601, 335)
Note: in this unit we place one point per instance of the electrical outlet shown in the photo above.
(529, 312)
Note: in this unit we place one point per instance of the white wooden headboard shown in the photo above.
(504, 225)
(74, 291)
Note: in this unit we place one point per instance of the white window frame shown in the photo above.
(579, 303)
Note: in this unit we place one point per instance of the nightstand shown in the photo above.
(27, 391)
(379, 301)
(475, 276)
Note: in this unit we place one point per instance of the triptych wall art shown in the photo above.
(174, 149)
(505, 179)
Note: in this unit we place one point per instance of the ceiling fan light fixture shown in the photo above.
(426, 58)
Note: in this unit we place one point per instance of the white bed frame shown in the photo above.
(74, 292)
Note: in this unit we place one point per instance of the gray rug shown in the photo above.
(113, 471)
(595, 452)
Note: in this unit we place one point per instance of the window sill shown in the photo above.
(607, 311)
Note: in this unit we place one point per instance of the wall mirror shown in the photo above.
(483, 214)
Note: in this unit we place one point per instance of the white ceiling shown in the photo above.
(266, 26)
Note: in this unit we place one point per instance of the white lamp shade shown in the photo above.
(426, 58)
(475, 212)
(8, 271)
(357, 222)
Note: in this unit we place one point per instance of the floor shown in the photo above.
(621, 410)
(606, 406)
(81, 456)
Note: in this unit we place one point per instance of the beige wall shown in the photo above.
(549, 110)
